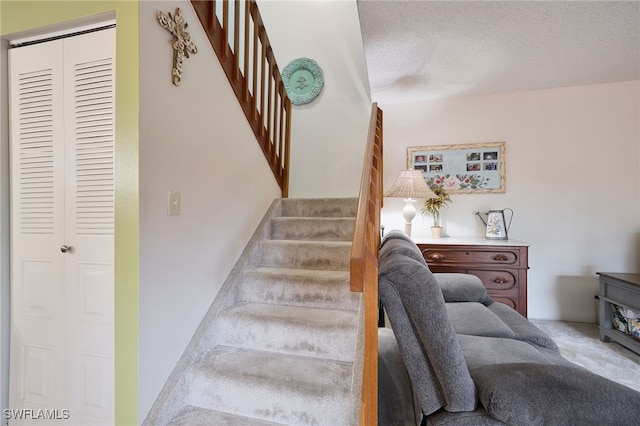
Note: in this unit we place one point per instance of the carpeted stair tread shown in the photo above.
(299, 287)
(323, 333)
(272, 386)
(289, 373)
(312, 228)
(196, 416)
(319, 207)
(324, 255)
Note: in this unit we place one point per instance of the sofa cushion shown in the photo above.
(458, 287)
(409, 291)
(538, 394)
(522, 328)
(475, 319)
(478, 417)
(482, 351)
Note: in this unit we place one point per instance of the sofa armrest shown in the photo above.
(395, 395)
(432, 354)
(457, 287)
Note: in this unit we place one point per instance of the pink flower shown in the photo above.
(451, 183)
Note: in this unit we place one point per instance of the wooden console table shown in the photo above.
(622, 290)
(501, 265)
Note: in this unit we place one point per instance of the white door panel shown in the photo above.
(90, 141)
(95, 387)
(37, 327)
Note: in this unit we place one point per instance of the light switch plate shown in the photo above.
(173, 207)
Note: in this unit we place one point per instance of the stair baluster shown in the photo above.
(253, 73)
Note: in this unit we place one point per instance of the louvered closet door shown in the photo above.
(73, 365)
(37, 216)
(89, 211)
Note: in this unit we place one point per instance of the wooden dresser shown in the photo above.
(501, 265)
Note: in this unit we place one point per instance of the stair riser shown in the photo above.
(300, 292)
(285, 228)
(195, 416)
(266, 403)
(334, 343)
(346, 207)
(293, 255)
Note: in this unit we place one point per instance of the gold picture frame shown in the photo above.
(475, 168)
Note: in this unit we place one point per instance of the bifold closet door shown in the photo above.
(62, 101)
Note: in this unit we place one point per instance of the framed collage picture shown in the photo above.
(461, 169)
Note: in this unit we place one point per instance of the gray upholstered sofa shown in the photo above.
(456, 357)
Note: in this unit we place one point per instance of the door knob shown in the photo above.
(66, 249)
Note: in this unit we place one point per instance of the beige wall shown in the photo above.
(573, 181)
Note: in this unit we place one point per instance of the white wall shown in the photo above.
(573, 181)
(328, 135)
(194, 138)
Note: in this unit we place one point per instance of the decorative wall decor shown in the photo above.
(182, 43)
(303, 80)
(461, 169)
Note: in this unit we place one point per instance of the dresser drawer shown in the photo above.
(495, 279)
(501, 268)
(471, 257)
(510, 302)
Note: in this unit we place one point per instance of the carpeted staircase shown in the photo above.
(282, 342)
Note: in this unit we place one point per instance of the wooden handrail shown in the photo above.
(254, 75)
(364, 262)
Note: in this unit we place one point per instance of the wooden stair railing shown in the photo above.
(364, 262)
(237, 34)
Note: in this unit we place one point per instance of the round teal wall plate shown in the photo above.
(303, 80)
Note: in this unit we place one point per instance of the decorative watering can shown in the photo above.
(496, 225)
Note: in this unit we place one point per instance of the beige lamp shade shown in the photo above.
(410, 184)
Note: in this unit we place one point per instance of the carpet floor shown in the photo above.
(580, 343)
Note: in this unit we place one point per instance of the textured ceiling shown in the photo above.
(418, 50)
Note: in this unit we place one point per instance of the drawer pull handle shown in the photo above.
(500, 257)
(500, 280)
(435, 256)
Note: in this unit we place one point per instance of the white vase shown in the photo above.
(436, 232)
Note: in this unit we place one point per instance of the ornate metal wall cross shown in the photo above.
(182, 43)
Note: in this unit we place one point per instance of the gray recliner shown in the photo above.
(468, 360)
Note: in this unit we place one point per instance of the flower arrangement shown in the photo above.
(433, 205)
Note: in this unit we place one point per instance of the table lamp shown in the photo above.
(409, 185)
